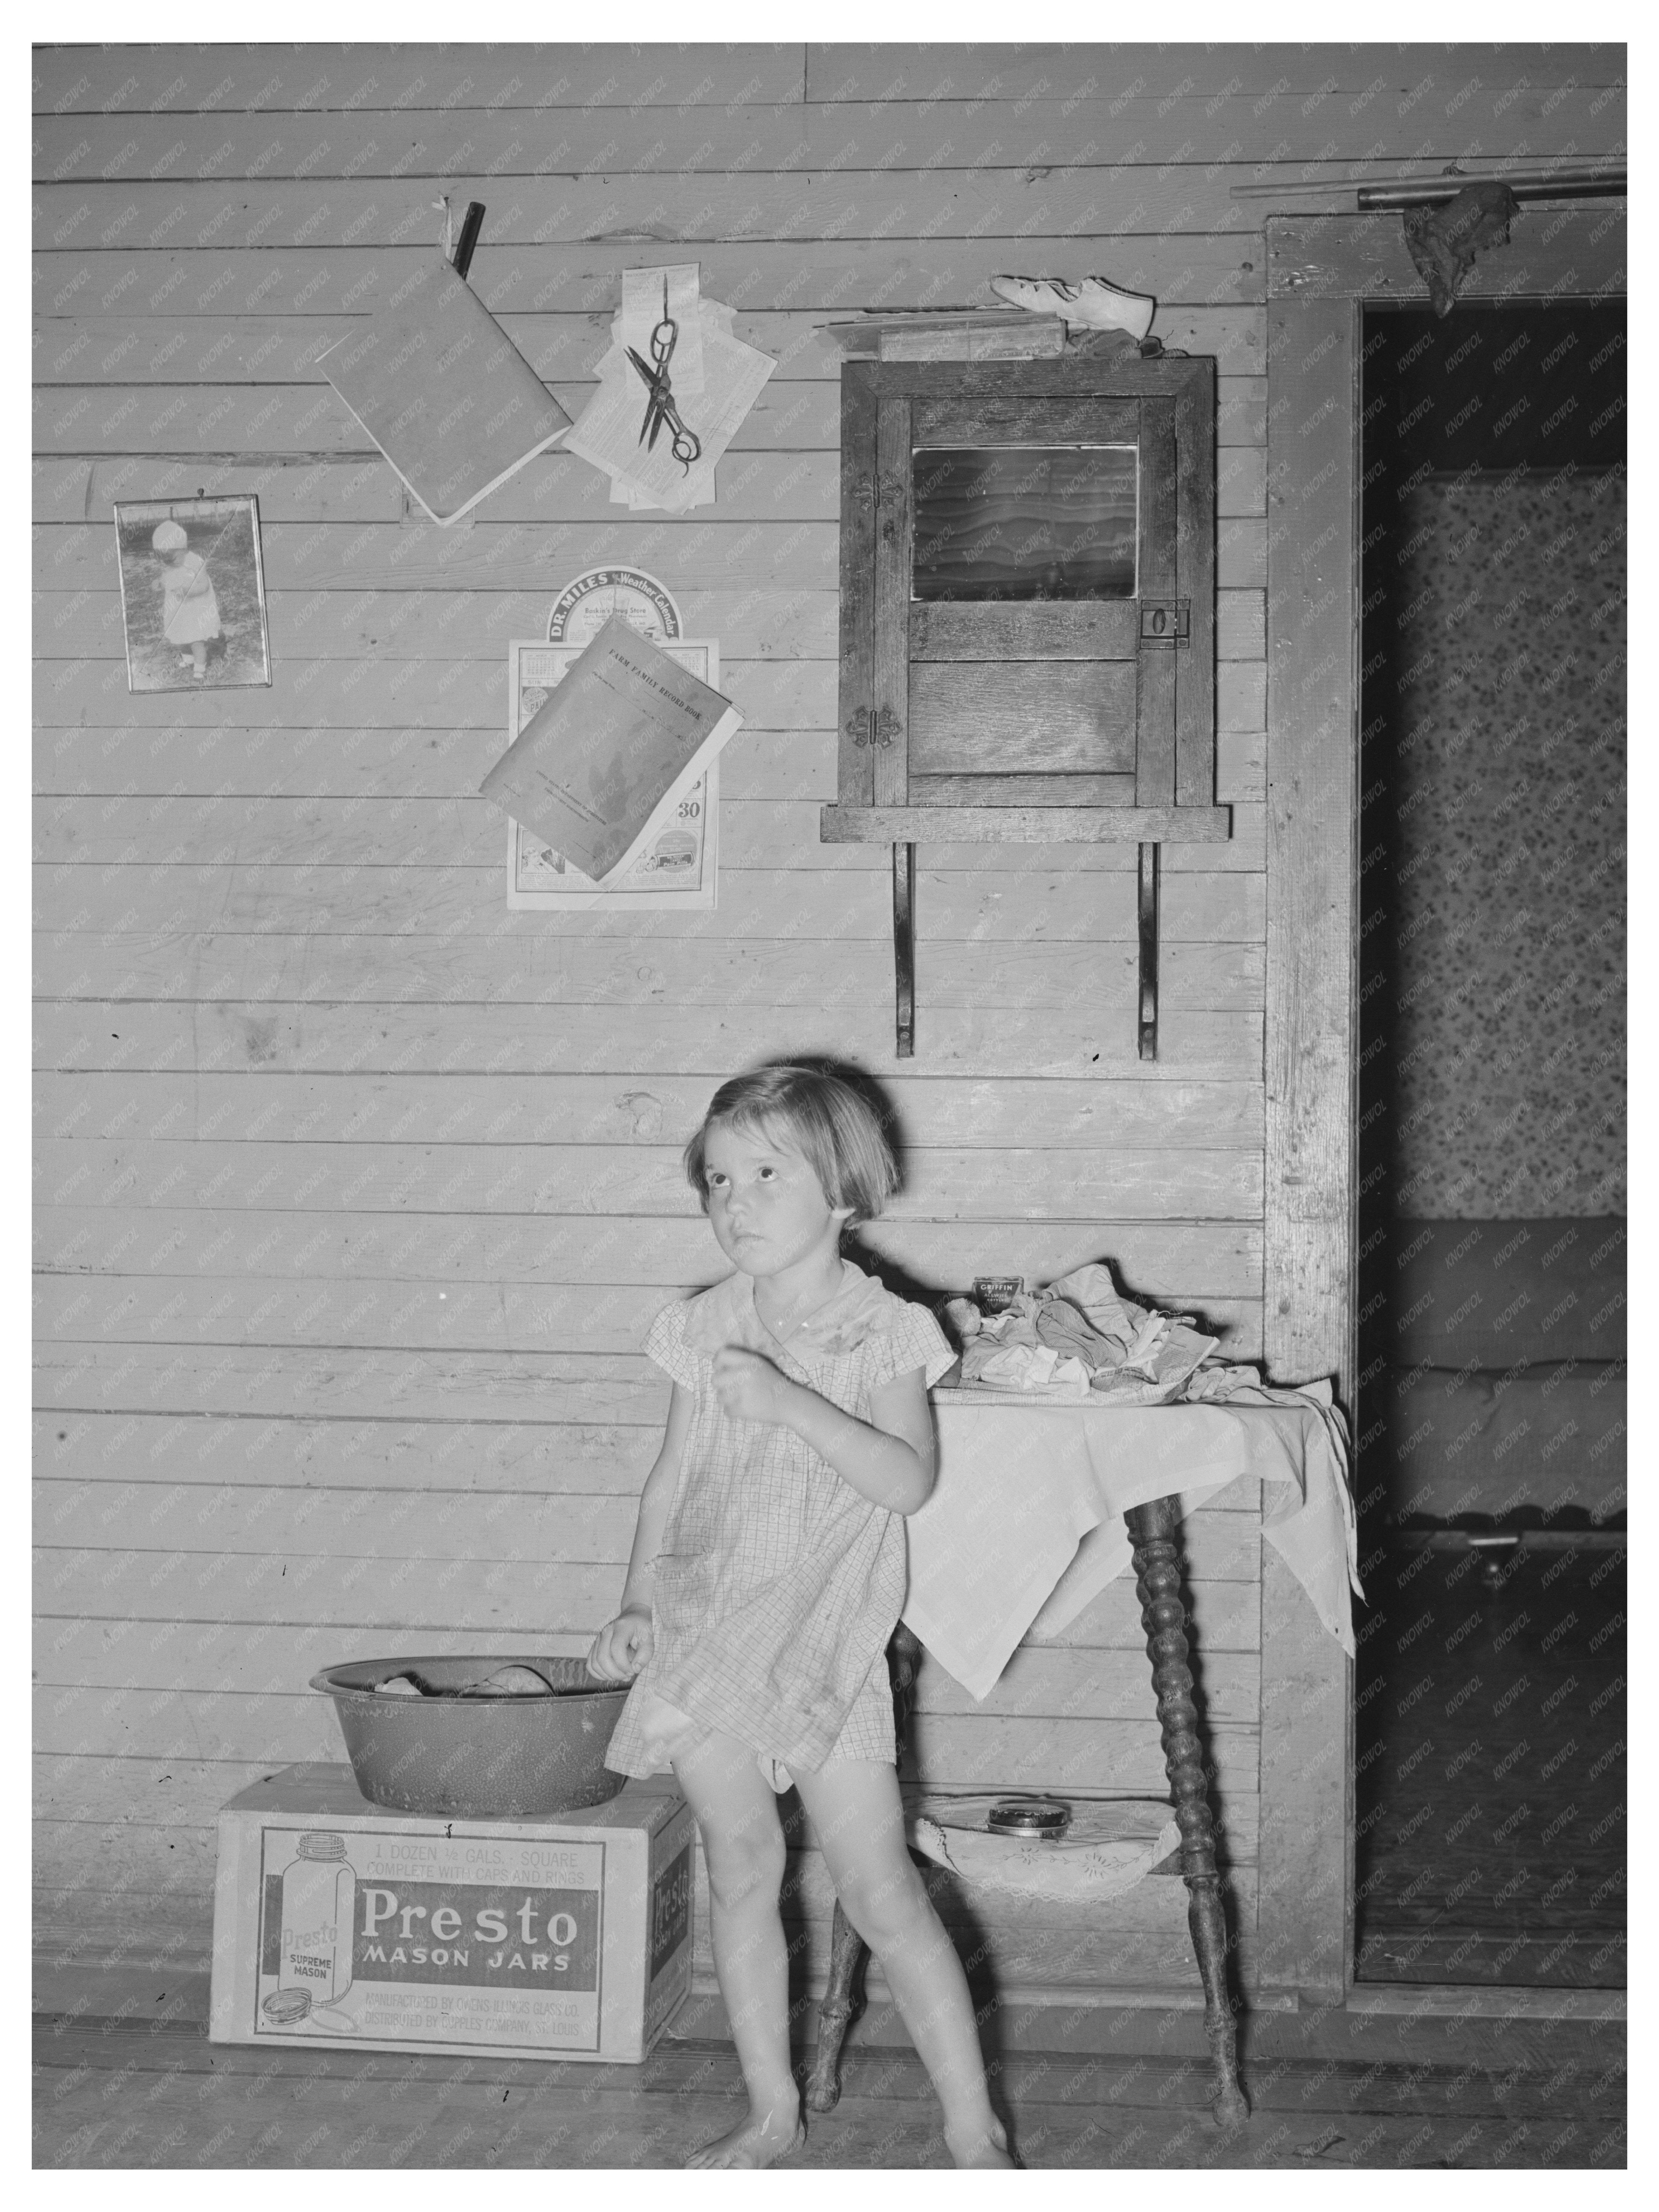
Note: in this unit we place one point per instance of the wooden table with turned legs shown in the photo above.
(1154, 1532)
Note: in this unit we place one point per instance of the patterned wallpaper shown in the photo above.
(1510, 847)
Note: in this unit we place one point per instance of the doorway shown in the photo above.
(1489, 1743)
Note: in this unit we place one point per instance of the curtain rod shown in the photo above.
(1576, 184)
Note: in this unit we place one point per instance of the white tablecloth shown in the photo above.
(1024, 1525)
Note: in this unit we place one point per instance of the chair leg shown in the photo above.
(836, 2011)
(1153, 1534)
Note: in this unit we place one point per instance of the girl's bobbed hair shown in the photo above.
(820, 1114)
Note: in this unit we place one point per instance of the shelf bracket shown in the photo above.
(1147, 998)
(904, 951)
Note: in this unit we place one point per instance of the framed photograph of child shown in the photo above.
(192, 592)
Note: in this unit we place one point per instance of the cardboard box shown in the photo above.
(335, 1921)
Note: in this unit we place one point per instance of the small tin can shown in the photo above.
(1029, 1816)
(994, 1294)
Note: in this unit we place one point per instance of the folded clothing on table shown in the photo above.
(1080, 1338)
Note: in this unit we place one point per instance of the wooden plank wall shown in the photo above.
(354, 1192)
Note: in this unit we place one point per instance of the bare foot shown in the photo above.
(762, 2140)
(979, 2146)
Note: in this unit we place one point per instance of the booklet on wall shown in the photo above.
(603, 760)
(678, 869)
(444, 392)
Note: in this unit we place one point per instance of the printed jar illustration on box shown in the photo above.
(337, 1918)
(316, 1900)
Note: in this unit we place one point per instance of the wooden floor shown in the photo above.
(1491, 1856)
(1417, 2087)
(1492, 1768)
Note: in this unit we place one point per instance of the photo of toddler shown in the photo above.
(192, 592)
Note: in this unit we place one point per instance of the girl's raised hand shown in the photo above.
(621, 1648)
(750, 1387)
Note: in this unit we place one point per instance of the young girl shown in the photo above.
(767, 1576)
(189, 605)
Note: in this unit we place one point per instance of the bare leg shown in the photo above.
(743, 1843)
(198, 654)
(847, 1946)
(856, 1810)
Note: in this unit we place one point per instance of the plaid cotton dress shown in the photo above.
(777, 1584)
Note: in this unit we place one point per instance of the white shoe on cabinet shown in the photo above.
(1093, 303)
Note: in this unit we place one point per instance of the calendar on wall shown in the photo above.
(679, 871)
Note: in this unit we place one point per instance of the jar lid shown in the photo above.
(284, 2007)
(1029, 1816)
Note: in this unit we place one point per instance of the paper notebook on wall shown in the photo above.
(444, 392)
(603, 761)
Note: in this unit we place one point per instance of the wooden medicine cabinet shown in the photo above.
(1027, 616)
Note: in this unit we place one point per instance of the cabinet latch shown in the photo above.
(857, 726)
(1166, 622)
(888, 726)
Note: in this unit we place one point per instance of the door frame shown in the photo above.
(1322, 271)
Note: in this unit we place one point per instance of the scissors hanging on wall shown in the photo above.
(684, 444)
